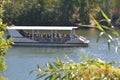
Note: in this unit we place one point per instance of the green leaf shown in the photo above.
(58, 65)
(98, 38)
(103, 20)
(97, 23)
(51, 66)
(110, 37)
(54, 77)
(111, 30)
(111, 63)
(58, 60)
(87, 58)
(31, 71)
(48, 77)
(2, 78)
(38, 66)
(100, 35)
(105, 16)
(109, 41)
(2, 63)
(41, 75)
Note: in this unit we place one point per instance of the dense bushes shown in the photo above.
(4, 44)
(90, 69)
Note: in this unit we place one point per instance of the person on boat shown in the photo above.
(29, 35)
(36, 36)
(39, 37)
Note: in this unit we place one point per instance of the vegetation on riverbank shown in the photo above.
(55, 12)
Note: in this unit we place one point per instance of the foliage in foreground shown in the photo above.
(90, 69)
(4, 44)
(2, 78)
(106, 29)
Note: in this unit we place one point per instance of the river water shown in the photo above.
(21, 60)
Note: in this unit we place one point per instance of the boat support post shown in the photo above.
(33, 34)
(52, 35)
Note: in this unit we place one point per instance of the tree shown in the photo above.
(55, 12)
(4, 44)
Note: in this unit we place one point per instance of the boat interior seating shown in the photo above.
(46, 37)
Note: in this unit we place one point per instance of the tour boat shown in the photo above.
(26, 36)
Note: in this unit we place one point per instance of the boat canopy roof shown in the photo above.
(41, 27)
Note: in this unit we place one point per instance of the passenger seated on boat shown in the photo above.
(44, 37)
(29, 35)
(65, 37)
(48, 37)
(36, 36)
(71, 37)
(56, 37)
(40, 37)
(59, 37)
(68, 36)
